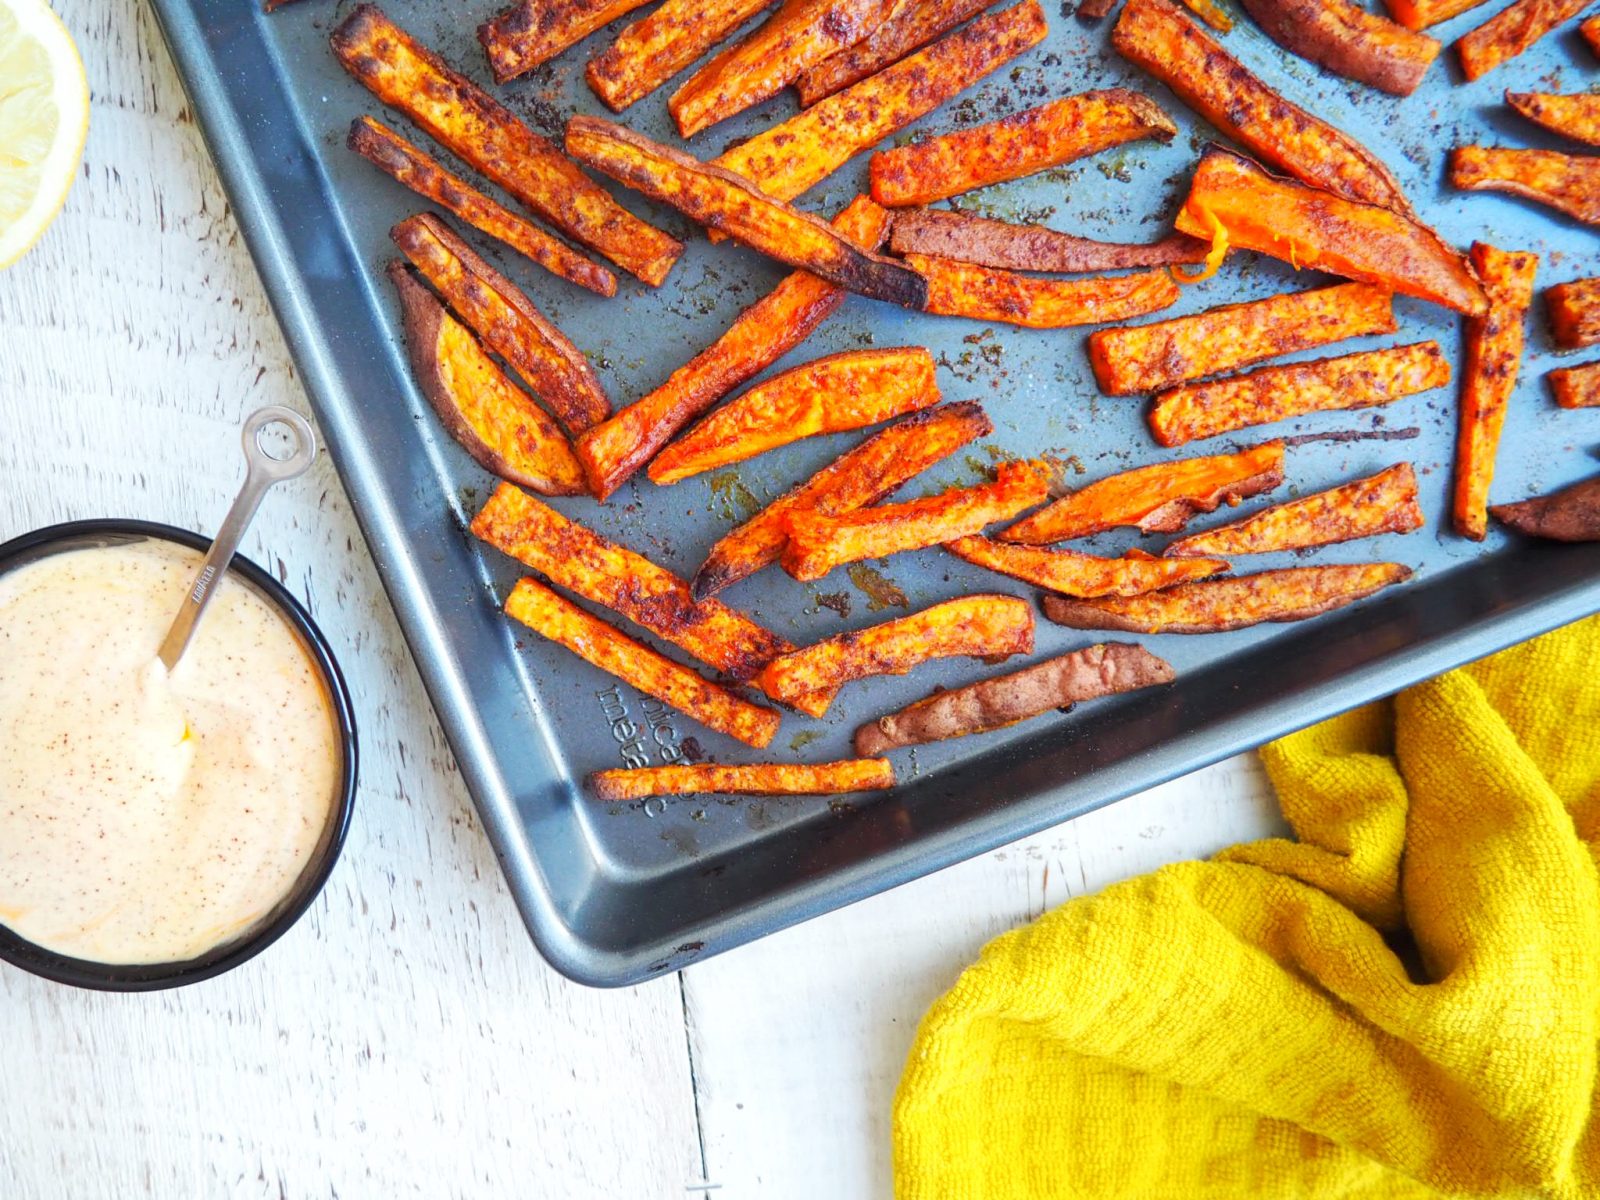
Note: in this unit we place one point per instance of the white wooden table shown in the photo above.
(406, 1039)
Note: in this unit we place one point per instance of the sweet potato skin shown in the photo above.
(1221, 605)
(790, 157)
(1381, 503)
(863, 476)
(1576, 387)
(833, 394)
(820, 542)
(1359, 241)
(1576, 117)
(1348, 40)
(957, 289)
(1146, 358)
(1084, 575)
(1574, 310)
(532, 32)
(1155, 35)
(1013, 146)
(1570, 515)
(980, 626)
(1511, 31)
(655, 48)
(911, 27)
(1488, 377)
(1160, 498)
(990, 704)
(966, 238)
(558, 619)
(1361, 380)
(1569, 183)
(745, 779)
(1420, 14)
(462, 117)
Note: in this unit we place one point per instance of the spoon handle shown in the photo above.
(263, 471)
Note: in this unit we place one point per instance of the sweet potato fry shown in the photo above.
(1360, 380)
(1511, 31)
(1488, 377)
(834, 394)
(1074, 574)
(745, 779)
(1420, 14)
(864, 476)
(461, 116)
(506, 320)
(403, 162)
(1590, 31)
(1574, 310)
(792, 156)
(1569, 183)
(1159, 498)
(1576, 117)
(1570, 515)
(911, 27)
(801, 34)
(987, 243)
(714, 706)
(495, 422)
(1156, 35)
(532, 32)
(1011, 147)
(1219, 605)
(652, 50)
(1145, 358)
(991, 704)
(1309, 227)
(1576, 387)
(1348, 40)
(982, 626)
(758, 337)
(728, 202)
(1381, 503)
(957, 289)
(819, 542)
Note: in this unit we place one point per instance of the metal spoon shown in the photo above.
(263, 472)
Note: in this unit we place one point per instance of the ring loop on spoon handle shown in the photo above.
(263, 471)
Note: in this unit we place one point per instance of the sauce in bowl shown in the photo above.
(148, 817)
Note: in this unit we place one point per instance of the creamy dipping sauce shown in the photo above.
(148, 817)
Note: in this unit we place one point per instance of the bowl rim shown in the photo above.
(149, 977)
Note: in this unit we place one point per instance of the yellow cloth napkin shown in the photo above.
(1404, 1002)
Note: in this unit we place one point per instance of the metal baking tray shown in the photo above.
(617, 894)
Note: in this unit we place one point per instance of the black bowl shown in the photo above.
(148, 977)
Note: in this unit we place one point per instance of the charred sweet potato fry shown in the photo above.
(1056, 684)
(1382, 503)
(819, 542)
(1309, 227)
(981, 626)
(1576, 117)
(911, 27)
(801, 34)
(714, 706)
(1569, 183)
(1159, 498)
(1360, 380)
(532, 32)
(834, 394)
(987, 243)
(758, 337)
(1574, 310)
(1156, 35)
(1074, 574)
(795, 154)
(655, 48)
(864, 476)
(495, 422)
(506, 320)
(403, 162)
(1511, 31)
(957, 289)
(1570, 515)
(463, 117)
(1011, 147)
(1419, 14)
(1145, 358)
(1576, 387)
(745, 779)
(1348, 40)
(724, 201)
(1218, 605)
(1488, 377)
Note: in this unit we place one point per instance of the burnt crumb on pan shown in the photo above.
(1355, 435)
(838, 602)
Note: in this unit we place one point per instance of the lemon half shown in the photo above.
(44, 117)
